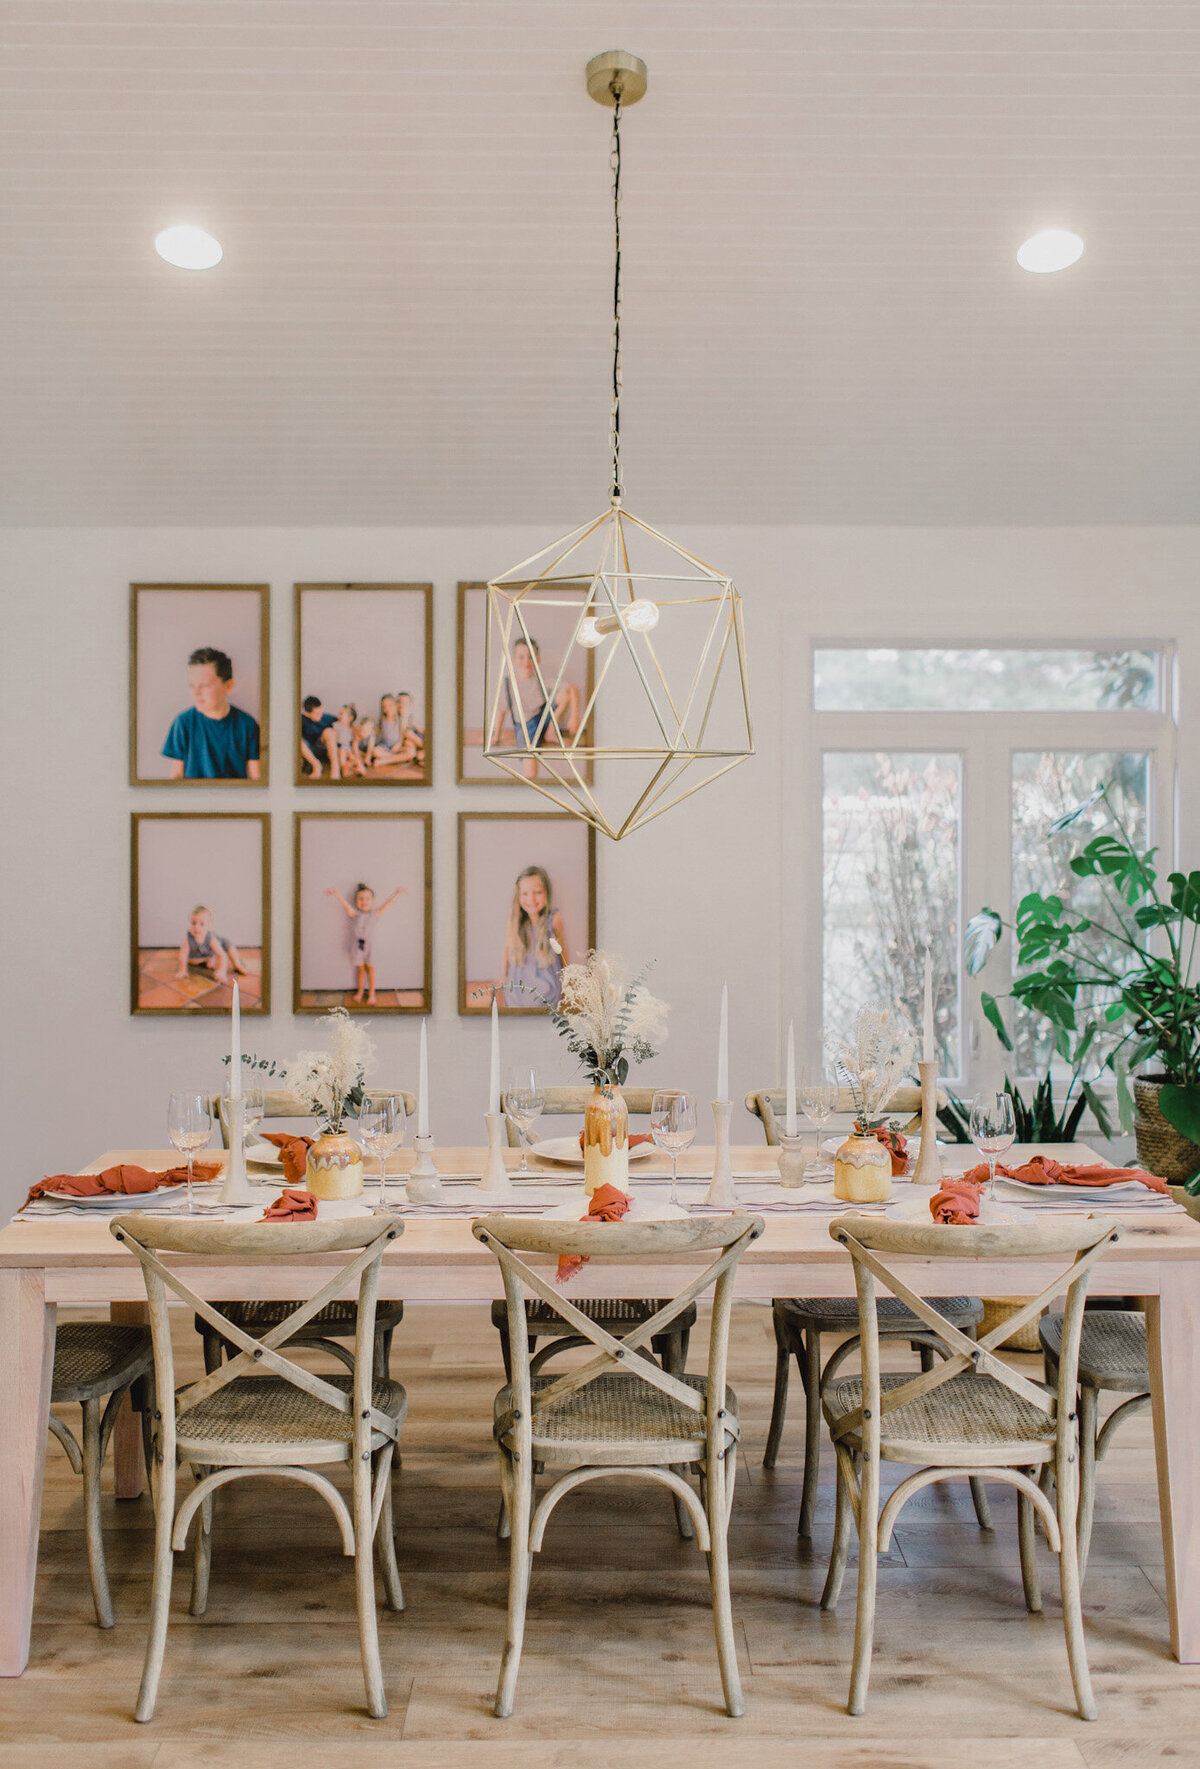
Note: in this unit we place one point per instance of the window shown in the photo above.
(940, 771)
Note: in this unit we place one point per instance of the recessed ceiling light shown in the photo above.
(1052, 249)
(188, 247)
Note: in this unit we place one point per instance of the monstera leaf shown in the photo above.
(983, 931)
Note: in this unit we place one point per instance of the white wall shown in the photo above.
(704, 889)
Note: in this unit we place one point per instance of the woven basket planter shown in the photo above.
(1161, 1148)
(997, 1309)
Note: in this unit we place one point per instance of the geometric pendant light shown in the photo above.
(667, 676)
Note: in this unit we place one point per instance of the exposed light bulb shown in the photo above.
(641, 615)
(189, 248)
(1052, 249)
(589, 634)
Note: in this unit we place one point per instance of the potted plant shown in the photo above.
(1117, 985)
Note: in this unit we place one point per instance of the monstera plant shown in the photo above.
(1116, 985)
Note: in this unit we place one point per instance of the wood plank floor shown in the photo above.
(619, 1660)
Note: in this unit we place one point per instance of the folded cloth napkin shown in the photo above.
(292, 1206)
(293, 1154)
(607, 1205)
(896, 1146)
(957, 1200)
(642, 1136)
(1043, 1170)
(125, 1178)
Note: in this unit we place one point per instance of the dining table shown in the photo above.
(69, 1258)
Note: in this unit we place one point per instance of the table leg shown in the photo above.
(26, 1368)
(1172, 1327)
(129, 1466)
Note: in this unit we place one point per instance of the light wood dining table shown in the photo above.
(75, 1262)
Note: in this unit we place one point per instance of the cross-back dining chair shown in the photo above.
(236, 1422)
(801, 1321)
(621, 1412)
(333, 1324)
(971, 1414)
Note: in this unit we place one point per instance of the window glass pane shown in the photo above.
(890, 855)
(912, 680)
(1047, 784)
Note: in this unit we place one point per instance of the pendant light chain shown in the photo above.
(614, 430)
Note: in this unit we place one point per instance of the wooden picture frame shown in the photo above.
(321, 827)
(482, 925)
(471, 652)
(161, 683)
(155, 988)
(358, 645)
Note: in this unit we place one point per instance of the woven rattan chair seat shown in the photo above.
(336, 1320)
(92, 1358)
(968, 1411)
(831, 1314)
(613, 1312)
(614, 1414)
(1112, 1348)
(267, 1413)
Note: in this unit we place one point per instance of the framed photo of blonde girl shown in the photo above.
(545, 665)
(364, 684)
(200, 911)
(526, 907)
(362, 903)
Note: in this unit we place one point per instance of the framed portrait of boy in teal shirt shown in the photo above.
(198, 684)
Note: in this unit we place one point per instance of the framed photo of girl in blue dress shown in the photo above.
(522, 721)
(526, 907)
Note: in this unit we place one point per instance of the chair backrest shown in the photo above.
(571, 1102)
(866, 1237)
(148, 1234)
(725, 1236)
(277, 1104)
(770, 1104)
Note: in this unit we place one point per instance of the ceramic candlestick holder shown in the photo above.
(495, 1182)
(721, 1192)
(424, 1182)
(792, 1160)
(236, 1188)
(928, 1170)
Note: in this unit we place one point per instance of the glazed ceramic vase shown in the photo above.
(606, 1141)
(862, 1171)
(334, 1168)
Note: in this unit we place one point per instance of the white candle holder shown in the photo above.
(495, 1182)
(424, 1182)
(237, 1188)
(721, 1192)
(792, 1160)
(928, 1170)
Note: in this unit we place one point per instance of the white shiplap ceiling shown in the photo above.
(824, 320)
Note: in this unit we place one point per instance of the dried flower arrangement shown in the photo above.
(878, 1054)
(330, 1082)
(607, 1018)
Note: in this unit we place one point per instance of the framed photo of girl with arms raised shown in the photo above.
(362, 906)
(526, 906)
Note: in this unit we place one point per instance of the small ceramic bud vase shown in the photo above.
(862, 1171)
(792, 1160)
(334, 1167)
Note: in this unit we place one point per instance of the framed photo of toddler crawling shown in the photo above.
(198, 684)
(364, 684)
(200, 911)
(526, 907)
(362, 907)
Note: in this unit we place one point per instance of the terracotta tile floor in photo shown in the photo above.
(324, 999)
(158, 986)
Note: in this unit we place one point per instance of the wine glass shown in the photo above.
(189, 1126)
(254, 1106)
(673, 1126)
(524, 1100)
(818, 1100)
(381, 1125)
(993, 1130)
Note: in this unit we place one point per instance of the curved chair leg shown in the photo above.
(979, 1498)
(843, 1518)
(364, 1590)
(202, 1550)
(1089, 1408)
(783, 1368)
(92, 1462)
(864, 1620)
(160, 1595)
(519, 1564)
(672, 1355)
(718, 1574)
(811, 1372)
(1068, 1572)
(1027, 1541)
(385, 1542)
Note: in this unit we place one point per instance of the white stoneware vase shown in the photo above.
(334, 1168)
(862, 1171)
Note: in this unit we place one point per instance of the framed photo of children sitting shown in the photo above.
(364, 684)
(526, 907)
(548, 671)
(361, 906)
(200, 911)
(198, 684)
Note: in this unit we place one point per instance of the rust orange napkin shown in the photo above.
(293, 1205)
(293, 1154)
(957, 1201)
(1043, 1170)
(125, 1178)
(607, 1205)
(896, 1146)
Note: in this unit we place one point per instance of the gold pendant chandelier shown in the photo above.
(655, 633)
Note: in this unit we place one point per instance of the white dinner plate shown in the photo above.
(640, 1210)
(265, 1154)
(917, 1210)
(163, 1194)
(566, 1149)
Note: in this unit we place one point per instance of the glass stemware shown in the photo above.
(818, 1100)
(254, 1106)
(993, 1130)
(189, 1126)
(381, 1125)
(524, 1100)
(673, 1127)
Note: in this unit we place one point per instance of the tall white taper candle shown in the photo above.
(927, 1055)
(723, 1047)
(494, 1075)
(235, 1047)
(790, 1129)
(423, 1086)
